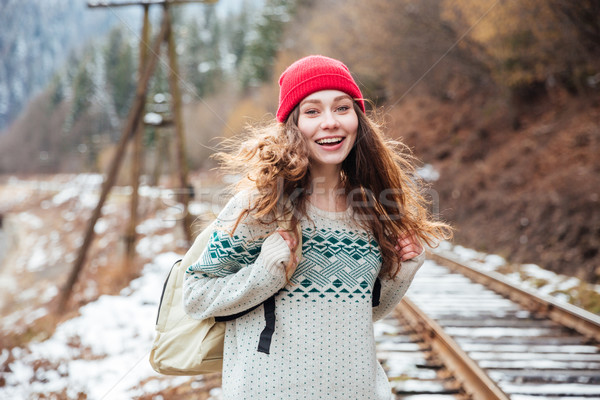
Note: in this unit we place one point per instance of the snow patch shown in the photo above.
(101, 226)
(118, 332)
(33, 221)
(428, 173)
(529, 276)
(155, 244)
(38, 259)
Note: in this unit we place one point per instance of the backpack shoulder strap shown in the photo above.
(376, 293)
(264, 343)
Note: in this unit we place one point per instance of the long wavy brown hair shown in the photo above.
(378, 177)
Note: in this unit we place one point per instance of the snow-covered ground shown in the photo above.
(529, 276)
(103, 353)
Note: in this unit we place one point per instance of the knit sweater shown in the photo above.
(323, 346)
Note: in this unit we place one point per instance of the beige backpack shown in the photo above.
(187, 346)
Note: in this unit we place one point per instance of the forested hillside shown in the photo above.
(79, 114)
(37, 38)
(502, 98)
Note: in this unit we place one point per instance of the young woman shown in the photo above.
(322, 168)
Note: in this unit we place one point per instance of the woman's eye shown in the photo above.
(343, 108)
(311, 111)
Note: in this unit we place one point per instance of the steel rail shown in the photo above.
(472, 378)
(578, 319)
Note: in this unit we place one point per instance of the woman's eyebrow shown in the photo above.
(316, 101)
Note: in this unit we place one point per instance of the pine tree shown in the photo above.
(201, 61)
(58, 90)
(257, 64)
(235, 31)
(83, 90)
(120, 68)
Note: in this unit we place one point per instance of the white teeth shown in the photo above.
(329, 140)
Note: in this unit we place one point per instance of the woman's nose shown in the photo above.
(329, 121)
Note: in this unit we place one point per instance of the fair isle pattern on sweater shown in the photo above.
(324, 269)
(323, 345)
(226, 254)
(338, 264)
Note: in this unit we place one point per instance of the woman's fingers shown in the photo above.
(411, 248)
(408, 255)
(288, 237)
(291, 242)
(410, 251)
(404, 241)
(408, 246)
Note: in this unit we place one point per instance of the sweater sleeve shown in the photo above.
(236, 271)
(392, 290)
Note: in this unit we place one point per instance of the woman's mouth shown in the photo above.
(330, 142)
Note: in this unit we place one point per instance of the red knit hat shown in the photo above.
(311, 74)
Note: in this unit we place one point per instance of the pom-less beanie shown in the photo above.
(311, 74)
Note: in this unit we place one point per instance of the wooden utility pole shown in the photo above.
(136, 154)
(133, 129)
(179, 139)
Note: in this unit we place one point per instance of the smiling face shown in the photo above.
(328, 121)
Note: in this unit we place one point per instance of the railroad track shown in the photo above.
(414, 370)
(454, 338)
(505, 343)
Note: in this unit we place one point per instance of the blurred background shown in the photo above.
(499, 100)
(502, 98)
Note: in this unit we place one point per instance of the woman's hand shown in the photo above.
(291, 242)
(408, 246)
